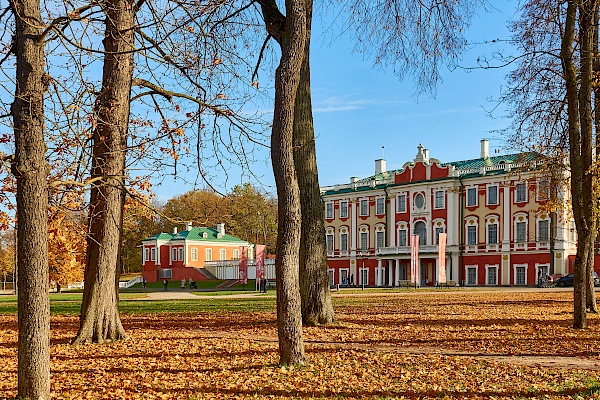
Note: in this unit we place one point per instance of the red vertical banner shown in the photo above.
(414, 259)
(442, 258)
(243, 265)
(260, 260)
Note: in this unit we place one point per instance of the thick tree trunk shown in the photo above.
(314, 281)
(100, 320)
(31, 171)
(289, 318)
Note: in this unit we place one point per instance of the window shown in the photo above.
(174, 254)
(543, 189)
(208, 253)
(543, 231)
(492, 275)
(329, 210)
(437, 234)
(492, 195)
(492, 234)
(165, 273)
(572, 232)
(380, 239)
(471, 275)
(152, 254)
(380, 206)
(520, 193)
(419, 200)
(146, 254)
(236, 254)
(520, 275)
(329, 242)
(344, 241)
(344, 209)
(521, 232)
(180, 253)
(194, 254)
(402, 237)
(401, 203)
(421, 230)
(439, 199)
(222, 254)
(472, 235)
(471, 197)
(364, 241)
(364, 207)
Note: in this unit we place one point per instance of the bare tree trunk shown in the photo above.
(31, 171)
(100, 319)
(287, 76)
(314, 281)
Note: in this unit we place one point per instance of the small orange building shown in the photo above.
(184, 255)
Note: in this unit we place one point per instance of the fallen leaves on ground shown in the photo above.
(365, 354)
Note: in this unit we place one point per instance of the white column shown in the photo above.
(397, 271)
(436, 270)
(391, 225)
(378, 280)
(353, 229)
(389, 264)
(506, 225)
(452, 225)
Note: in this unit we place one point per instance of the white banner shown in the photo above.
(442, 258)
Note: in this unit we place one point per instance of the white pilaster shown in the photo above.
(353, 229)
(397, 272)
(506, 225)
(379, 273)
(390, 277)
(391, 225)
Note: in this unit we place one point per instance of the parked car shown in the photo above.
(567, 280)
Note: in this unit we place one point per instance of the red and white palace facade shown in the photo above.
(498, 230)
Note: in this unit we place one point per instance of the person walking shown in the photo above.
(166, 283)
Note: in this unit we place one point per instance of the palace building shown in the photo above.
(492, 209)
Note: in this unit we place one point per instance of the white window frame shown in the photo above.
(442, 203)
(344, 243)
(236, 254)
(222, 254)
(347, 275)
(538, 230)
(363, 212)
(194, 254)
(526, 192)
(424, 206)
(208, 254)
(360, 241)
(380, 206)
(147, 254)
(165, 273)
(468, 242)
(329, 243)
(436, 234)
(469, 190)
(180, 253)
(520, 244)
(401, 203)
(344, 209)
(405, 237)
(467, 268)
(487, 236)
(542, 184)
(488, 267)
(331, 276)
(487, 195)
(173, 253)
(515, 267)
(153, 254)
(379, 239)
(329, 210)
(362, 275)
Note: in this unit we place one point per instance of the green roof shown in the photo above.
(493, 161)
(197, 233)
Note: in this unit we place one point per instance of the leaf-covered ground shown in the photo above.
(449, 344)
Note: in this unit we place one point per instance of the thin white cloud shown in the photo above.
(347, 103)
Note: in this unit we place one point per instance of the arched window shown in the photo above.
(421, 230)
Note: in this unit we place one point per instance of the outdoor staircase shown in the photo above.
(228, 283)
(207, 274)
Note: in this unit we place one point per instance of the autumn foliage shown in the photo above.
(444, 344)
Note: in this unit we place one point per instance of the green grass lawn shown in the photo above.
(70, 304)
(176, 285)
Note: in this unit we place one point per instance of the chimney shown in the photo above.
(188, 226)
(175, 231)
(379, 166)
(353, 179)
(485, 149)
(221, 229)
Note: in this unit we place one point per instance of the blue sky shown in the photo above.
(359, 108)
